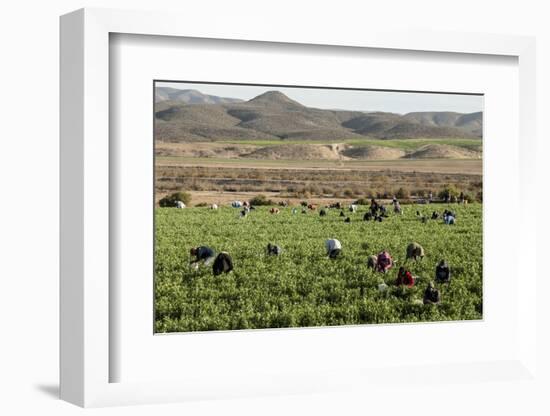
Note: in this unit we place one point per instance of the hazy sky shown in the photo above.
(395, 102)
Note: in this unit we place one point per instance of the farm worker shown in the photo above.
(414, 251)
(384, 262)
(431, 295)
(442, 272)
(448, 212)
(222, 264)
(180, 204)
(397, 207)
(449, 219)
(404, 278)
(373, 205)
(202, 254)
(334, 248)
(273, 250)
(371, 262)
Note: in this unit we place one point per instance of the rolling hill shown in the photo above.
(189, 96)
(315, 151)
(188, 115)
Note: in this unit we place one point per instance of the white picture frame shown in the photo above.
(85, 356)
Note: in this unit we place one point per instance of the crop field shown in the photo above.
(406, 144)
(302, 287)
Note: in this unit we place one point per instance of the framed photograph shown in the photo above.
(282, 213)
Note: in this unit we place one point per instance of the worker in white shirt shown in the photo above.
(334, 248)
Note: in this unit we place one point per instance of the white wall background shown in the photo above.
(29, 203)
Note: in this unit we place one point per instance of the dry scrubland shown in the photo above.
(298, 169)
(220, 182)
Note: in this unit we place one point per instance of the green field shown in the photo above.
(405, 144)
(302, 287)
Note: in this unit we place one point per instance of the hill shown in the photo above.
(312, 151)
(189, 96)
(297, 152)
(273, 115)
(468, 122)
(373, 153)
(442, 151)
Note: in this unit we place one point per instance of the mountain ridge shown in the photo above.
(273, 115)
(190, 96)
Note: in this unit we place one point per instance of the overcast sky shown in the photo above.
(364, 100)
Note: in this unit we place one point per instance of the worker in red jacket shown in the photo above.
(404, 278)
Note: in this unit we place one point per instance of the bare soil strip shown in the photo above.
(453, 166)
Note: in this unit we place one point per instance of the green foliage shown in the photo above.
(302, 287)
(469, 197)
(170, 200)
(362, 201)
(405, 144)
(402, 193)
(449, 192)
(260, 200)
